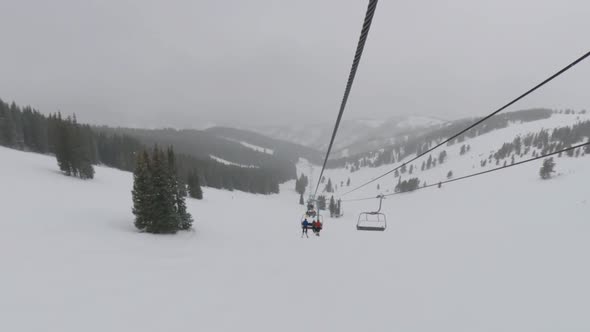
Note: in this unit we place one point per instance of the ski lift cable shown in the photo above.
(478, 173)
(566, 68)
(359, 52)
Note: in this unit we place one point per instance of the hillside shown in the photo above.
(264, 144)
(504, 251)
(355, 136)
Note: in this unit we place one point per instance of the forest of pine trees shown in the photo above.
(79, 146)
(73, 146)
(158, 202)
(543, 142)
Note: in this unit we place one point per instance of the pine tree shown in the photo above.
(194, 186)
(301, 184)
(329, 187)
(547, 168)
(348, 182)
(332, 207)
(301, 201)
(449, 174)
(142, 192)
(184, 219)
(73, 147)
(165, 219)
(298, 185)
(63, 146)
(321, 202)
(463, 149)
(442, 156)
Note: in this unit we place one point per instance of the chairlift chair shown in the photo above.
(372, 221)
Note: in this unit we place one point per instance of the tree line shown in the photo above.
(79, 146)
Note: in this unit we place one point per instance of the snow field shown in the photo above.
(500, 252)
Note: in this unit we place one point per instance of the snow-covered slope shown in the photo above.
(351, 133)
(257, 148)
(480, 148)
(504, 252)
(225, 162)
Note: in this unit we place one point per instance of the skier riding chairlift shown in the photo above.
(317, 227)
(304, 226)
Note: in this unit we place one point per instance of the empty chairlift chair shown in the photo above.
(372, 221)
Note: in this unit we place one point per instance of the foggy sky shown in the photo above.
(191, 63)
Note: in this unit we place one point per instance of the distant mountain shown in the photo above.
(207, 145)
(354, 136)
(277, 147)
(228, 146)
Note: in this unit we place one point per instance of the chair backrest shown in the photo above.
(371, 221)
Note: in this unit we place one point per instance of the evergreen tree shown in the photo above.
(547, 168)
(63, 150)
(348, 182)
(73, 148)
(194, 186)
(301, 201)
(442, 156)
(332, 207)
(322, 202)
(301, 184)
(329, 187)
(184, 219)
(165, 218)
(449, 174)
(142, 192)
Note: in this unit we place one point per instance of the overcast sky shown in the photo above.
(195, 62)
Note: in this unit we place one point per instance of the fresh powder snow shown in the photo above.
(500, 252)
